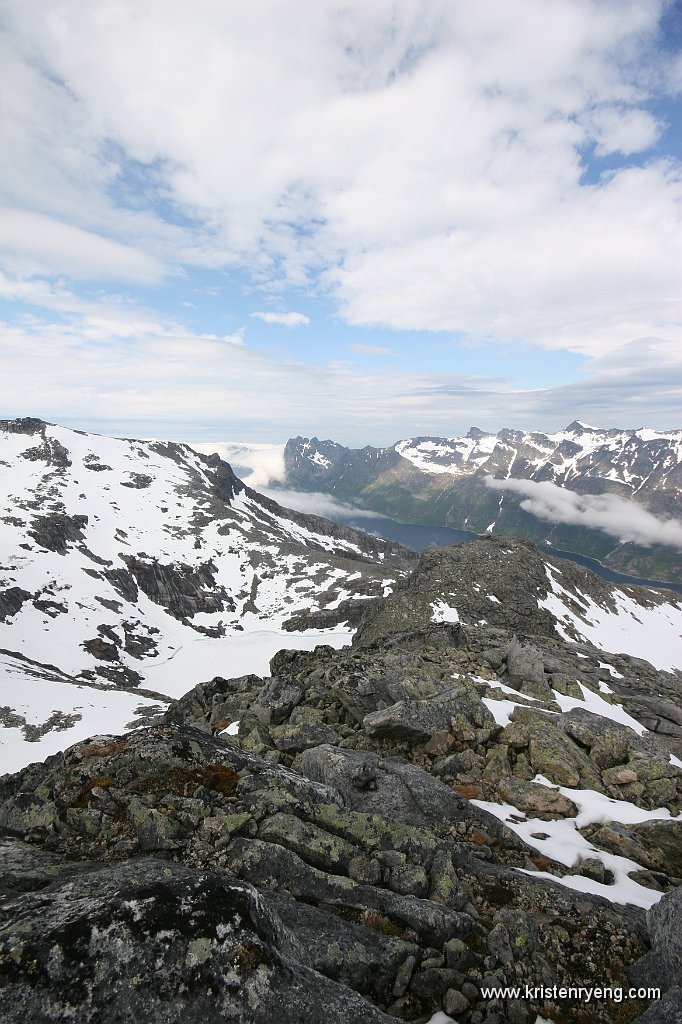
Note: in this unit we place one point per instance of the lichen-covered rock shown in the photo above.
(292, 739)
(364, 841)
(657, 845)
(363, 958)
(553, 758)
(400, 793)
(414, 721)
(525, 670)
(151, 941)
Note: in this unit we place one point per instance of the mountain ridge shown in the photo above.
(442, 481)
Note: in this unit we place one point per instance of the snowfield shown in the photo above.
(653, 634)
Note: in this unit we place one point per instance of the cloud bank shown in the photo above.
(432, 165)
(264, 462)
(616, 516)
(114, 367)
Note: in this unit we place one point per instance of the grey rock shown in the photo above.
(259, 863)
(662, 966)
(292, 739)
(402, 792)
(358, 956)
(182, 589)
(665, 928)
(414, 721)
(156, 942)
(524, 666)
(12, 600)
(667, 1010)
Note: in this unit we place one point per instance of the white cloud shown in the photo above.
(232, 339)
(616, 516)
(40, 244)
(285, 319)
(315, 503)
(264, 462)
(624, 131)
(372, 350)
(424, 157)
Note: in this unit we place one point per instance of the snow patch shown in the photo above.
(442, 612)
(598, 706)
(653, 634)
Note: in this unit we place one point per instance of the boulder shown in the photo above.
(662, 966)
(413, 721)
(156, 942)
(535, 800)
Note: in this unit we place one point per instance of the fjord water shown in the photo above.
(418, 537)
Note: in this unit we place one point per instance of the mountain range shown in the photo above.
(447, 481)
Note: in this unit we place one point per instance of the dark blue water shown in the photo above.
(419, 537)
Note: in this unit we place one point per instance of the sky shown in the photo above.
(239, 220)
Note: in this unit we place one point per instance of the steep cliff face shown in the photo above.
(441, 481)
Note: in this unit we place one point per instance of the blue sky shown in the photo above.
(244, 221)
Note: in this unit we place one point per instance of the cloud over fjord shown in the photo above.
(616, 516)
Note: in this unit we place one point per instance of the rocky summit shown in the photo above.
(467, 810)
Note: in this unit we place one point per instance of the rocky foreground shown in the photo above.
(391, 830)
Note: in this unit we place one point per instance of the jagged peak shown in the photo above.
(579, 427)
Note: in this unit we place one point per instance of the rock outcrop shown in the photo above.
(662, 966)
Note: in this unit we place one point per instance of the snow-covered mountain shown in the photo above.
(637, 460)
(443, 481)
(131, 570)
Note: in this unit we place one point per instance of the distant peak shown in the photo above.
(475, 433)
(578, 427)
